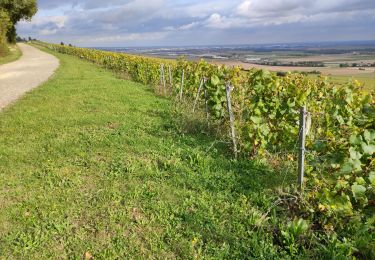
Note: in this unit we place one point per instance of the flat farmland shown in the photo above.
(349, 71)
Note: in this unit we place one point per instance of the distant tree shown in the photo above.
(281, 74)
(70, 45)
(17, 10)
(30, 39)
(62, 43)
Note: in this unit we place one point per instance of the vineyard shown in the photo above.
(259, 114)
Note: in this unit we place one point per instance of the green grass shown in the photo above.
(13, 55)
(367, 79)
(93, 164)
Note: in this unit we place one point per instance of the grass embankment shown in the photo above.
(92, 165)
(14, 54)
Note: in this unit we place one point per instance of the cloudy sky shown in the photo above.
(200, 22)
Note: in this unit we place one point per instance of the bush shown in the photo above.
(5, 24)
(281, 74)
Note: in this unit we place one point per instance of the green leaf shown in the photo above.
(368, 148)
(347, 168)
(369, 110)
(341, 184)
(372, 178)
(215, 80)
(354, 154)
(356, 164)
(257, 111)
(367, 99)
(256, 119)
(265, 129)
(369, 136)
(360, 180)
(355, 140)
(358, 191)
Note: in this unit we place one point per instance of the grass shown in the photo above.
(93, 165)
(367, 79)
(13, 55)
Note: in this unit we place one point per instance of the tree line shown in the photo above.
(11, 12)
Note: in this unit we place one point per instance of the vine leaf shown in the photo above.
(358, 191)
(368, 148)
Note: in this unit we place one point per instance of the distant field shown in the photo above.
(368, 80)
(325, 70)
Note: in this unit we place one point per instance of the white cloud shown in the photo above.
(250, 8)
(46, 25)
(183, 27)
(223, 22)
(124, 37)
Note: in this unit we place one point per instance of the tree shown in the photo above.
(5, 24)
(18, 10)
(19, 39)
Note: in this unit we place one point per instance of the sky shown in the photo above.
(123, 23)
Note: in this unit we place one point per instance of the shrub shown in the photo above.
(5, 24)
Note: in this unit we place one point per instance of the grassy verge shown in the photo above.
(366, 79)
(92, 165)
(14, 54)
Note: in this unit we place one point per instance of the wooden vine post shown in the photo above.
(231, 119)
(301, 151)
(164, 81)
(197, 97)
(162, 78)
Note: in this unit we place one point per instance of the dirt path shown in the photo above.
(32, 69)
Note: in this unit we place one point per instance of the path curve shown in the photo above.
(32, 69)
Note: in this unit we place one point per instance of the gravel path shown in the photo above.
(33, 68)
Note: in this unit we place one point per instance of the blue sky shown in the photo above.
(211, 22)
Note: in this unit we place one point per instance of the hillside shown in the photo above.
(97, 166)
